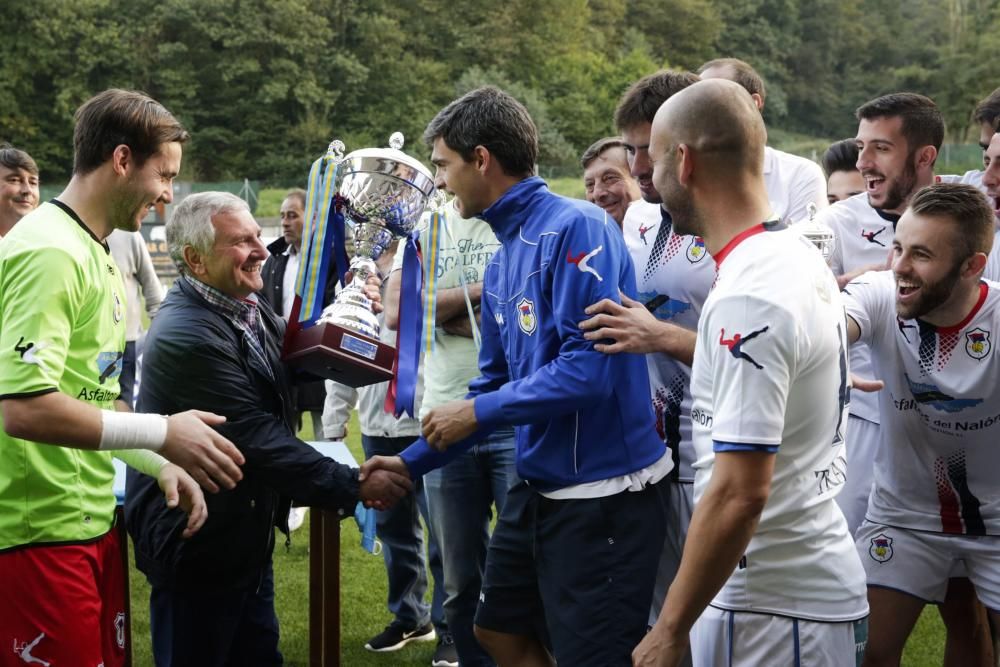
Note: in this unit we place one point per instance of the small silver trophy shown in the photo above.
(818, 233)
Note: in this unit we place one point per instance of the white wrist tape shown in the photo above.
(144, 460)
(130, 430)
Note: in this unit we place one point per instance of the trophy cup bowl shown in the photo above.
(384, 193)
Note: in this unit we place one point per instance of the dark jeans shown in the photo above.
(402, 539)
(460, 497)
(213, 628)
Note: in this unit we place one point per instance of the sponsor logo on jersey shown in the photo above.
(977, 343)
(24, 650)
(696, 250)
(526, 319)
(662, 306)
(929, 394)
(642, 232)
(872, 237)
(29, 351)
(881, 548)
(118, 309)
(736, 343)
(582, 261)
(108, 366)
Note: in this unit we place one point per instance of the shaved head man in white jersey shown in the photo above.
(898, 139)
(769, 570)
(931, 323)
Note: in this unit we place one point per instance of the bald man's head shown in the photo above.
(714, 129)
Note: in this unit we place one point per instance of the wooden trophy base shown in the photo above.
(340, 354)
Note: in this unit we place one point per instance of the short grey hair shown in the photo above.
(191, 223)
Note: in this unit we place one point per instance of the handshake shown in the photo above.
(384, 481)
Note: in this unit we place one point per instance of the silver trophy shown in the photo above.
(385, 191)
(819, 234)
(382, 193)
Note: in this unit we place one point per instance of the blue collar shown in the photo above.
(507, 213)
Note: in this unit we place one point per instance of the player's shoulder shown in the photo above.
(853, 210)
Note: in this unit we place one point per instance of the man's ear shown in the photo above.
(685, 164)
(121, 159)
(482, 159)
(194, 260)
(925, 157)
(973, 266)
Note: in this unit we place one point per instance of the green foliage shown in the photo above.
(264, 85)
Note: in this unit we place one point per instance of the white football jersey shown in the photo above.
(936, 467)
(863, 238)
(673, 274)
(770, 373)
(792, 184)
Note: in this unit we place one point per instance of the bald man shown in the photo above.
(768, 566)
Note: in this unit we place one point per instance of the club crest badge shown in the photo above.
(881, 548)
(696, 250)
(977, 343)
(526, 319)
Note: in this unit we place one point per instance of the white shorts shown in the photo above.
(738, 639)
(920, 563)
(862, 442)
(678, 520)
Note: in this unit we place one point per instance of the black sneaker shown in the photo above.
(395, 637)
(445, 654)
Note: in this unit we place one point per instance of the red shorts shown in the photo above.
(63, 605)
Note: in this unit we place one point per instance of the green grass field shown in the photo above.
(363, 591)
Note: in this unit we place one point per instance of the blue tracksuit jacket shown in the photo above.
(580, 415)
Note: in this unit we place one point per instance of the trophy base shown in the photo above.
(341, 355)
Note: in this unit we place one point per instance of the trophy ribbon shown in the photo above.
(403, 386)
(431, 247)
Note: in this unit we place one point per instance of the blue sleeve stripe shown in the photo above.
(718, 446)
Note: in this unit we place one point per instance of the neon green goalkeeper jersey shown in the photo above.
(62, 328)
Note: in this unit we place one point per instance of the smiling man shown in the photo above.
(606, 178)
(62, 338)
(212, 346)
(930, 323)
(18, 186)
(898, 139)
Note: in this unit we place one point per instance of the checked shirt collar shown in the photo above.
(242, 312)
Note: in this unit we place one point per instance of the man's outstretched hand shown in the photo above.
(384, 481)
(195, 446)
(447, 424)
